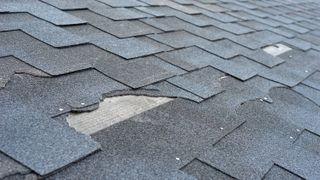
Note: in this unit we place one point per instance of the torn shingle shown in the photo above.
(11, 65)
(204, 82)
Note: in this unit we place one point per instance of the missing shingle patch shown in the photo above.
(277, 49)
(113, 110)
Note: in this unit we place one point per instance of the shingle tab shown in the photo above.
(224, 48)
(204, 82)
(140, 72)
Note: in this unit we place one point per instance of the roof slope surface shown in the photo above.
(239, 112)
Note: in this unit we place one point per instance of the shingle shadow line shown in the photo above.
(281, 167)
(229, 133)
(196, 159)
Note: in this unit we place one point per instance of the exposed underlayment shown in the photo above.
(159, 89)
(113, 110)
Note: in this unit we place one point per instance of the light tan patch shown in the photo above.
(113, 110)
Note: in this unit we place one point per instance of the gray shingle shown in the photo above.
(308, 92)
(40, 10)
(189, 58)
(123, 3)
(201, 170)
(30, 136)
(11, 65)
(146, 137)
(50, 60)
(41, 30)
(224, 48)
(121, 29)
(140, 72)
(178, 39)
(127, 48)
(279, 173)
(313, 80)
(204, 82)
(121, 13)
(264, 58)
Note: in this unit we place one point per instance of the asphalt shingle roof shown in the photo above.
(239, 112)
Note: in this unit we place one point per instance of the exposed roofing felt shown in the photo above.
(239, 112)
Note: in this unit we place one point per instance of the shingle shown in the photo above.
(121, 29)
(313, 80)
(224, 48)
(298, 43)
(189, 58)
(173, 5)
(277, 173)
(239, 67)
(121, 13)
(167, 89)
(127, 48)
(37, 141)
(123, 3)
(314, 39)
(41, 30)
(283, 31)
(11, 65)
(308, 92)
(309, 141)
(167, 11)
(10, 167)
(178, 39)
(40, 10)
(140, 72)
(146, 138)
(239, 153)
(204, 82)
(201, 170)
(296, 28)
(264, 58)
(254, 25)
(69, 4)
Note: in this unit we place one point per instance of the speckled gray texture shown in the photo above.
(309, 92)
(298, 66)
(179, 39)
(50, 60)
(11, 65)
(138, 147)
(229, 118)
(127, 48)
(39, 29)
(313, 80)
(224, 48)
(201, 170)
(121, 29)
(123, 3)
(140, 72)
(9, 167)
(40, 10)
(31, 136)
(264, 58)
(204, 82)
(279, 173)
